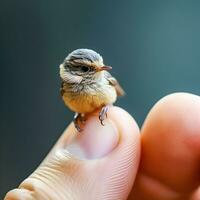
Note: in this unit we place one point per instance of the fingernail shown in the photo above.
(95, 140)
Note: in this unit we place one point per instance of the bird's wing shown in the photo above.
(113, 81)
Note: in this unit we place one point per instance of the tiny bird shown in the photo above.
(87, 85)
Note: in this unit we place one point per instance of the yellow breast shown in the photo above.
(91, 100)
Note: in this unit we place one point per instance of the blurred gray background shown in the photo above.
(153, 46)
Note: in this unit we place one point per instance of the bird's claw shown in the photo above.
(103, 114)
(78, 119)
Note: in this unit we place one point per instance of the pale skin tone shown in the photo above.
(161, 163)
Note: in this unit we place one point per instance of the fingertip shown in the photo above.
(179, 113)
(113, 150)
(171, 140)
(96, 140)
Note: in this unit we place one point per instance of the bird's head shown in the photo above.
(82, 65)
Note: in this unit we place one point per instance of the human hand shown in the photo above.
(106, 162)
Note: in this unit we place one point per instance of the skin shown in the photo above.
(161, 163)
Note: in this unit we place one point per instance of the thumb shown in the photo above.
(101, 162)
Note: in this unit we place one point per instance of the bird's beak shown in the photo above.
(104, 68)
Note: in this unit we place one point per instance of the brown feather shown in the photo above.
(113, 81)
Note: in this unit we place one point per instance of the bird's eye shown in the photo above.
(84, 68)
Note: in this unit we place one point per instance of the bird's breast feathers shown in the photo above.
(90, 98)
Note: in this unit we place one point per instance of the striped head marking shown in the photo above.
(82, 65)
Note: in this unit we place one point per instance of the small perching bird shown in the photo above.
(87, 85)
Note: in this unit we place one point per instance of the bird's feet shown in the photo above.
(78, 120)
(103, 114)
